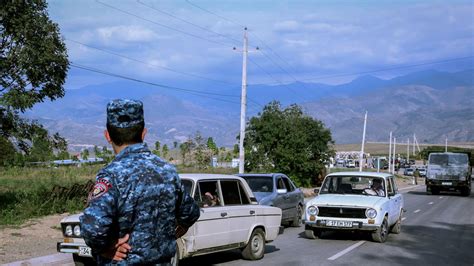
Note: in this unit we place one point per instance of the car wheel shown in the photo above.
(255, 248)
(82, 261)
(297, 220)
(380, 235)
(465, 191)
(434, 191)
(397, 227)
(312, 233)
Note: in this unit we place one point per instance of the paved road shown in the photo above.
(436, 230)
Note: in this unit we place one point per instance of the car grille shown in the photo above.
(342, 212)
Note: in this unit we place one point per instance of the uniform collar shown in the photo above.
(133, 148)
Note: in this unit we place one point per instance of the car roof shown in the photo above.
(256, 174)
(196, 176)
(368, 174)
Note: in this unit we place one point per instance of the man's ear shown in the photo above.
(144, 133)
(107, 136)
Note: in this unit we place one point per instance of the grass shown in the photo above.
(27, 193)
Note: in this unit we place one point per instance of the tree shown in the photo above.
(212, 146)
(33, 67)
(85, 154)
(175, 144)
(201, 154)
(165, 151)
(157, 148)
(287, 141)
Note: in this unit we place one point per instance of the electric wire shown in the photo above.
(145, 63)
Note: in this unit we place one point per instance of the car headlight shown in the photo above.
(313, 210)
(371, 213)
(68, 230)
(77, 230)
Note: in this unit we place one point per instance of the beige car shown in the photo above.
(231, 219)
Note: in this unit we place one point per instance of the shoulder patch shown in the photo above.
(100, 188)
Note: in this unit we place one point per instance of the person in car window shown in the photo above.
(377, 187)
(210, 200)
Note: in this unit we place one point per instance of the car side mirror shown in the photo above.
(282, 191)
(316, 191)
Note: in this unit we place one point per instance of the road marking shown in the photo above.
(345, 251)
(417, 211)
(441, 197)
(403, 218)
(431, 203)
(410, 187)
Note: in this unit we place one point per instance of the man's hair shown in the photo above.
(130, 135)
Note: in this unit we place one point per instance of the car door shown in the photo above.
(211, 229)
(282, 200)
(394, 201)
(241, 213)
(293, 196)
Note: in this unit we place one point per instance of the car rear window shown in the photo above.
(260, 183)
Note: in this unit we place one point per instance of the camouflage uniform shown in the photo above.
(136, 194)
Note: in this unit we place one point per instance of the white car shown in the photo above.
(349, 201)
(233, 220)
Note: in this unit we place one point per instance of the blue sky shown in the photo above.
(299, 40)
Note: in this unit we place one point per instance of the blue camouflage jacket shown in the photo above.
(137, 194)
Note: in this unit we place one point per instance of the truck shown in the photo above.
(448, 171)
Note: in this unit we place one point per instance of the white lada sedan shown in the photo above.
(353, 201)
(230, 218)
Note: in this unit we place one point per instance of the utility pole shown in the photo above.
(390, 154)
(394, 156)
(446, 145)
(408, 151)
(361, 157)
(414, 141)
(243, 104)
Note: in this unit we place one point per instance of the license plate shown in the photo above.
(446, 183)
(85, 251)
(339, 223)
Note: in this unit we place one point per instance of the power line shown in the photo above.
(393, 68)
(210, 12)
(189, 91)
(145, 63)
(162, 25)
(190, 23)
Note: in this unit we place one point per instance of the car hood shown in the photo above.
(72, 218)
(345, 200)
(262, 196)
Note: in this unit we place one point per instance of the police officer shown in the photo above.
(138, 203)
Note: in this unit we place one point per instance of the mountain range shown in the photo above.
(432, 104)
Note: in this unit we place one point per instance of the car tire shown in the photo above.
(82, 261)
(397, 227)
(434, 191)
(255, 248)
(380, 235)
(465, 192)
(297, 220)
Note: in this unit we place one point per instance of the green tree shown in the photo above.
(236, 149)
(175, 144)
(165, 151)
(288, 141)
(7, 152)
(157, 148)
(85, 154)
(186, 149)
(212, 146)
(201, 154)
(33, 67)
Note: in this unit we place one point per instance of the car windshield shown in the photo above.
(448, 159)
(260, 183)
(358, 185)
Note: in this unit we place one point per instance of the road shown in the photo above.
(436, 230)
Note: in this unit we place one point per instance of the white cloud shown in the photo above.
(126, 33)
(288, 25)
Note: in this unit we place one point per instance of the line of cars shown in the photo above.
(247, 211)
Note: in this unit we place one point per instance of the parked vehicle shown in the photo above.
(448, 171)
(234, 221)
(422, 171)
(409, 171)
(279, 191)
(350, 163)
(347, 201)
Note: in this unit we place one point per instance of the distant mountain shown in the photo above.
(431, 104)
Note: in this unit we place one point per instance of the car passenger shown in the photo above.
(210, 200)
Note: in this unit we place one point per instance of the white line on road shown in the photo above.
(403, 218)
(441, 197)
(431, 203)
(347, 250)
(410, 187)
(417, 211)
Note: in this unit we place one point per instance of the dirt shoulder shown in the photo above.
(37, 237)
